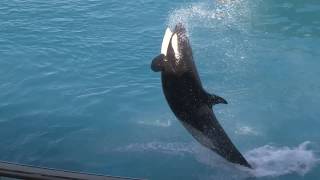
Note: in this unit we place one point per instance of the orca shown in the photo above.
(188, 100)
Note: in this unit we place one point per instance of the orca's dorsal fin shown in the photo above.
(214, 99)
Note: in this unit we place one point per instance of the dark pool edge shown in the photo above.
(22, 171)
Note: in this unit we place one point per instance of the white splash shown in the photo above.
(268, 161)
(275, 161)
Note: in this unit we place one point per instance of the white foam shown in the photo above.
(246, 130)
(158, 123)
(167, 148)
(166, 41)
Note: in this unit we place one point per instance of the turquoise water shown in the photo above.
(77, 92)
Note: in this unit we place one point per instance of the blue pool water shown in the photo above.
(77, 92)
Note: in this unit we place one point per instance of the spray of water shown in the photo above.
(212, 14)
(220, 27)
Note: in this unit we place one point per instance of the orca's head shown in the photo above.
(176, 52)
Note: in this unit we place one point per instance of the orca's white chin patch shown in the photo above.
(166, 41)
(175, 46)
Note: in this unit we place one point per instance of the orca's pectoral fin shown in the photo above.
(214, 99)
(157, 63)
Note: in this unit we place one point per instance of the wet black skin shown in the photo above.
(191, 104)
